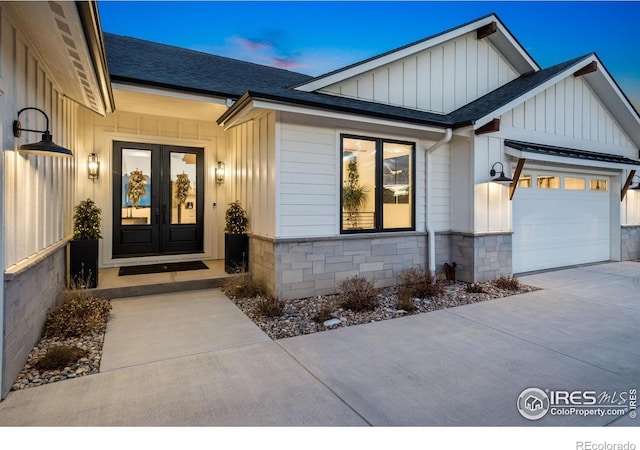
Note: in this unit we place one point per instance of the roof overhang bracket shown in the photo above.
(516, 177)
(490, 127)
(487, 30)
(589, 68)
(625, 188)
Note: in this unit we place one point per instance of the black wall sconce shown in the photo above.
(46, 146)
(220, 172)
(93, 166)
(502, 179)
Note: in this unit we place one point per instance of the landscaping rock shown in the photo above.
(331, 322)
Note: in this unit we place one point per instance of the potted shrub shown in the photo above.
(236, 241)
(83, 248)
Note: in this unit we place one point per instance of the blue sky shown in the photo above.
(315, 37)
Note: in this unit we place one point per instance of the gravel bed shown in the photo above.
(298, 315)
(29, 376)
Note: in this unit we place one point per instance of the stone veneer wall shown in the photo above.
(630, 237)
(28, 295)
(299, 268)
(481, 257)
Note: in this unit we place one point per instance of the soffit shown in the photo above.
(55, 33)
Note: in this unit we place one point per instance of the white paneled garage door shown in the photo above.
(560, 219)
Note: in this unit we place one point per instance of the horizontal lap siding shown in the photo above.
(440, 79)
(38, 190)
(307, 178)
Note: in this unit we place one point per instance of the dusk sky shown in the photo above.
(315, 37)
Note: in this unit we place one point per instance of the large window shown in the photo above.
(377, 184)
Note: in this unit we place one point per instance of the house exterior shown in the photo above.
(418, 129)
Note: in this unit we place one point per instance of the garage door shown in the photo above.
(560, 219)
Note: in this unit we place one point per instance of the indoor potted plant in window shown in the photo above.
(353, 195)
(236, 241)
(83, 248)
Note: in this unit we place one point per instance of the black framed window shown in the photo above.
(378, 184)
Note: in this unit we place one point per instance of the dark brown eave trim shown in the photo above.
(625, 188)
(490, 127)
(516, 178)
(589, 68)
(90, 20)
(486, 30)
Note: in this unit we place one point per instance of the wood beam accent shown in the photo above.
(627, 184)
(516, 177)
(591, 67)
(490, 127)
(486, 30)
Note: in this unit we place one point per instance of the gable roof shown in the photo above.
(150, 63)
(508, 45)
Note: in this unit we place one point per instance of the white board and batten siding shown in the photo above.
(251, 170)
(569, 109)
(439, 79)
(38, 190)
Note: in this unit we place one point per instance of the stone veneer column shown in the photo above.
(630, 242)
(481, 257)
(28, 296)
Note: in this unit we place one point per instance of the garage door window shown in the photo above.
(598, 185)
(575, 184)
(548, 182)
(524, 181)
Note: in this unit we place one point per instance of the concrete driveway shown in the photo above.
(193, 359)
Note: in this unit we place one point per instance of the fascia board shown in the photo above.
(319, 83)
(318, 112)
(533, 156)
(175, 93)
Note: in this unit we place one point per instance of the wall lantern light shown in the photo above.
(46, 146)
(501, 178)
(637, 186)
(93, 166)
(220, 172)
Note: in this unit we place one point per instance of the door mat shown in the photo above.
(162, 268)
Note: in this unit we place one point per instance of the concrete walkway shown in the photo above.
(195, 359)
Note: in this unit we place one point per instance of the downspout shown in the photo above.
(431, 255)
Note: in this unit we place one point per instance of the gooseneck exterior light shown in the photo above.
(502, 179)
(46, 146)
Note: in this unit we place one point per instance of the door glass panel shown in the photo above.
(548, 182)
(598, 185)
(574, 184)
(136, 187)
(524, 181)
(396, 174)
(183, 188)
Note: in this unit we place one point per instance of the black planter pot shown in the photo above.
(83, 263)
(236, 253)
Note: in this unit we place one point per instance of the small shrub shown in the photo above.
(475, 288)
(419, 282)
(509, 283)
(243, 286)
(324, 313)
(79, 314)
(405, 299)
(57, 358)
(357, 294)
(269, 307)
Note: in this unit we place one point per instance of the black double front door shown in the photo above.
(158, 199)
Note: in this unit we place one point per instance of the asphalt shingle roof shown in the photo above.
(136, 60)
(569, 152)
(131, 59)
